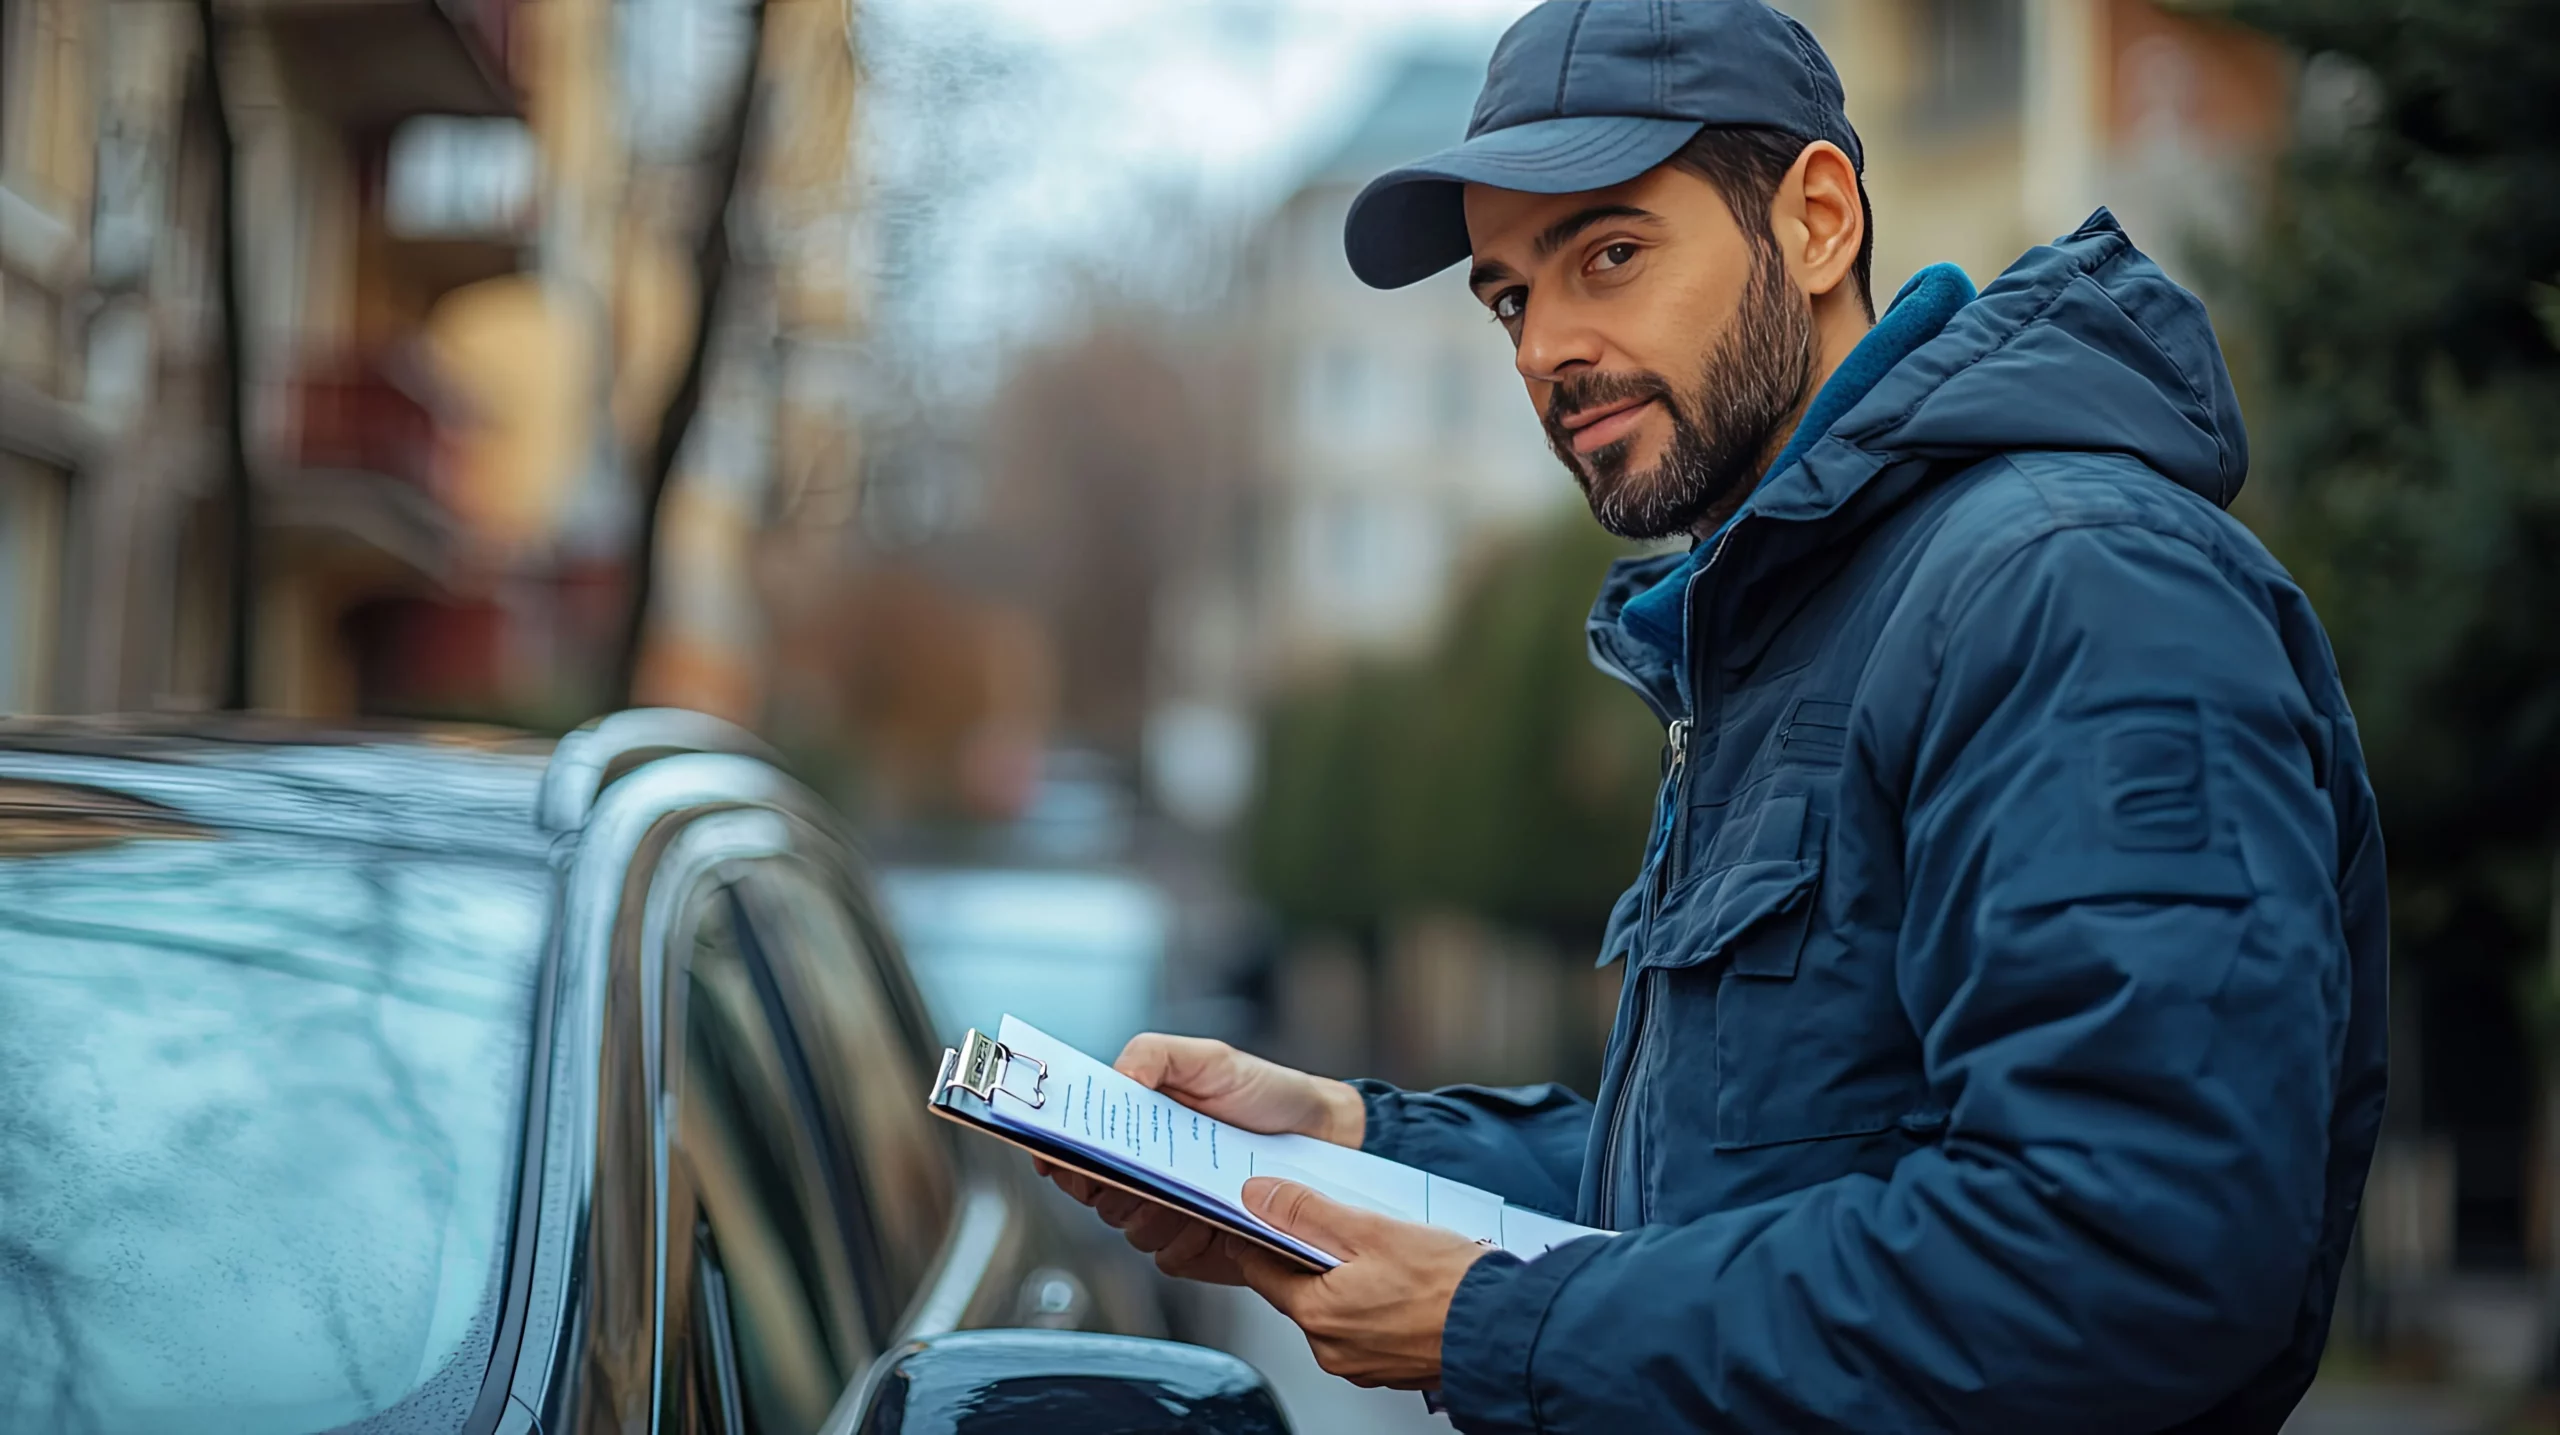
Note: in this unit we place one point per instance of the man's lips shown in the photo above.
(1596, 428)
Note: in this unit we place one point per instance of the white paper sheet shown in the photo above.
(1088, 1105)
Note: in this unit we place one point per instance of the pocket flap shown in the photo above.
(1731, 906)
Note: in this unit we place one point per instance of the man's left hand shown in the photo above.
(1376, 1318)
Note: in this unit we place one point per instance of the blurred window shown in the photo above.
(752, 1156)
(450, 177)
(43, 136)
(1971, 59)
(869, 1073)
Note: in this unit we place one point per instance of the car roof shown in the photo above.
(431, 787)
(274, 1001)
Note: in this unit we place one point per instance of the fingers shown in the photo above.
(1326, 1224)
(1289, 1287)
(1270, 1277)
(1189, 1247)
(1188, 1064)
(1080, 1187)
(1199, 1254)
(1115, 1206)
(1182, 1245)
(1155, 1227)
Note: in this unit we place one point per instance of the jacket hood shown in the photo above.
(2082, 345)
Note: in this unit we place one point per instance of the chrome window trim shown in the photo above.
(707, 844)
(977, 1237)
(558, 1203)
(611, 839)
(580, 764)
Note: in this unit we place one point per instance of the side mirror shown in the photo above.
(1060, 1382)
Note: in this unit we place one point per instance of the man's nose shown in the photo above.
(1554, 344)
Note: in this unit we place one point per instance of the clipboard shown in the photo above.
(980, 1070)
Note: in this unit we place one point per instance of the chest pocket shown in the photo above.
(1808, 1036)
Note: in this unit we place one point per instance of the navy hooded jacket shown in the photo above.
(2001, 1045)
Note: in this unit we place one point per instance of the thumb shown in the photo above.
(1329, 1225)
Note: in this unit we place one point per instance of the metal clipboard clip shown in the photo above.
(980, 1065)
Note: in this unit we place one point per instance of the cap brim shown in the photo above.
(1410, 223)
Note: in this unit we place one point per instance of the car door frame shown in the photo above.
(612, 934)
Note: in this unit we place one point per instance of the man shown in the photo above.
(2001, 1040)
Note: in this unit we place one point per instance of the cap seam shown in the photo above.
(1661, 54)
(1564, 63)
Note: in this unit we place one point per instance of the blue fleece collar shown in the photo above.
(1658, 616)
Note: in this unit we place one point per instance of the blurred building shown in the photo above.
(113, 470)
(465, 234)
(1994, 125)
(1391, 433)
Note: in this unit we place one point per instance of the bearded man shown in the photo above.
(2001, 1045)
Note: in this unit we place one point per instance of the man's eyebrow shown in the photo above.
(1557, 236)
(1562, 231)
(1487, 273)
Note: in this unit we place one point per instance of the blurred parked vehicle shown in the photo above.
(441, 1082)
(1078, 954)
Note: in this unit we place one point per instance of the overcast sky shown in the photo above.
(1104, 112)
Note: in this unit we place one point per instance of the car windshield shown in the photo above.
(260, 1107)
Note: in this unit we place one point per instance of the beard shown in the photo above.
(1724, 430)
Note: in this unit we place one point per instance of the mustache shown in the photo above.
(1577, 392)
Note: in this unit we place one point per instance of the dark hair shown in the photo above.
(1746, 163)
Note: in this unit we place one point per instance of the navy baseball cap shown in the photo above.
(1584, 94)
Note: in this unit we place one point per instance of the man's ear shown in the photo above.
(1819, 222)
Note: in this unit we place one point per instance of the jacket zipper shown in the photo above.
(1669, 827)
(1608, 1211)
(1666, 860)
(1679, 742)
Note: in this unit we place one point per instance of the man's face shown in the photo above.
(1666, 351)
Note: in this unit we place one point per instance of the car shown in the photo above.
(456, 1082)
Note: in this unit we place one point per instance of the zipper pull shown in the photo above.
(1679, 742)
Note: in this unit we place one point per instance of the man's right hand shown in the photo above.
(1238, 1088)
(1243, 1090)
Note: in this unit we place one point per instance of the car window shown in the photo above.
(261, 1110)
(699, 1394)
(752, 1159)
(869, 1072)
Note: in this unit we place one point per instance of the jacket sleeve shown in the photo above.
(2121, 948)
(1523, 1143)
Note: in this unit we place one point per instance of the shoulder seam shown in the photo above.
(1974, 590)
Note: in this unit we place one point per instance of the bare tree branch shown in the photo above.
(711, 264)
(237, 487)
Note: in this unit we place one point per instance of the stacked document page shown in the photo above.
(1155, 1146)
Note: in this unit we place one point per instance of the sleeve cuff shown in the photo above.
(1492, 1333)
(1382, 1124)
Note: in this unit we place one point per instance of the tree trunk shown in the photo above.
(711, 264)
(238, 490)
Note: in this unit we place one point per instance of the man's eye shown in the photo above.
(1615, 255)
(1508, 304)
